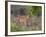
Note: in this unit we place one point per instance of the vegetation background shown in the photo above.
(35, 14)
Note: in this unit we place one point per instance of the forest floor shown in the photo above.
(34, 24)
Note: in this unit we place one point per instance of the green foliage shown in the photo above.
(14, 28)
(29, 10)
(36, 10)
(33, 10)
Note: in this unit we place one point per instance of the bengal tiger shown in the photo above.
(22, 20)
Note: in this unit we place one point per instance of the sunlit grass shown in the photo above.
(14, 28)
